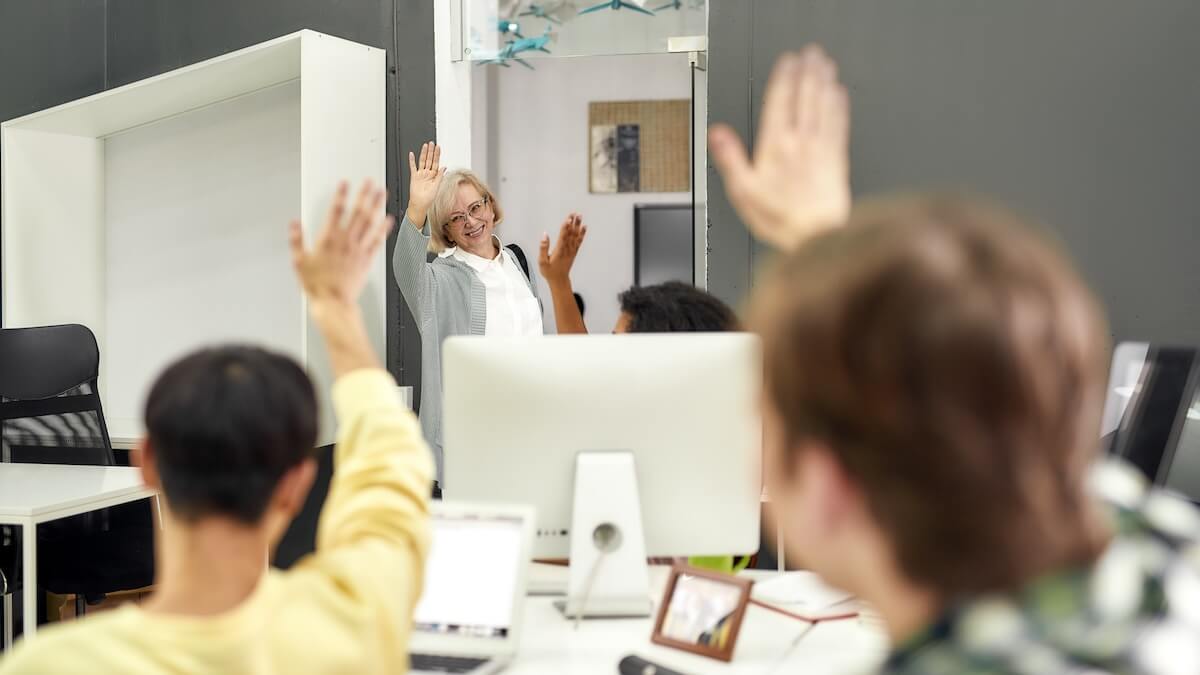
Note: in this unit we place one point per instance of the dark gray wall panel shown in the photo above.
(1081, 114)
(51, 52)
(730, 23)
(414, 125)
(147, 37)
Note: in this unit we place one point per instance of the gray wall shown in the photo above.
(51, 51)
(1082, 114)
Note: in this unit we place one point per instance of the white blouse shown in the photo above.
(512, 309)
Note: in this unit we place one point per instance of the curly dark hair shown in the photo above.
(675, 307)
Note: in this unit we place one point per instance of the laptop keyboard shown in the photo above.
(444, 664)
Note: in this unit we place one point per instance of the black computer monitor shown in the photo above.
(663, 248)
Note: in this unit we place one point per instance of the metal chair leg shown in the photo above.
(8, 622)
(80, 605)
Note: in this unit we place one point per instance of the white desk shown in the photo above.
(124, 442)
(550, 643)
(36, 493)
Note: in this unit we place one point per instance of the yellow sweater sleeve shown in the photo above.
(383, 472)
(373, 535)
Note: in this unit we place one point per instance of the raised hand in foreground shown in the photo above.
(334, 271)
(798, 182)
(555, 265)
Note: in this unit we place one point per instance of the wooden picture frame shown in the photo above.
(727, 619)
(639, 146)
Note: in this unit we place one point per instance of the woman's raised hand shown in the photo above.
(425, 174)
(555, 265)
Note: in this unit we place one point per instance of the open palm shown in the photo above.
(797, 183)
(336, 266)
(425, 175)
(556, 264)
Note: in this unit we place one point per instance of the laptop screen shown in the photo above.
(470, 576)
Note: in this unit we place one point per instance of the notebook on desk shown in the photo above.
(469, 616)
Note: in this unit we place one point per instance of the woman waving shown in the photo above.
(473, 285)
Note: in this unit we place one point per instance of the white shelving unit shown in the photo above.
(156, 213)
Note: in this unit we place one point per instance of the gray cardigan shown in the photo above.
(446, 298)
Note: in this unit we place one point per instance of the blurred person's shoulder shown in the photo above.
(1136, 609)
(85, 645)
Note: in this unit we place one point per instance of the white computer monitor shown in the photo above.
(520, 412)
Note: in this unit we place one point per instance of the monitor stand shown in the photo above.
(608, 575)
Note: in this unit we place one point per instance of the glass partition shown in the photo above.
(615, 131)
(699, 139)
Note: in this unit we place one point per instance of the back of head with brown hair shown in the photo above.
(954, 363)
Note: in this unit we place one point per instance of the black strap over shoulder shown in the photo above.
(520, 256)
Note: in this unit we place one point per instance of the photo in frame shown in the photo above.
(701, 612)
(639, 146)
(604, 158)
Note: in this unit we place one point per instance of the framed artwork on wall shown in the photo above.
(639, 146)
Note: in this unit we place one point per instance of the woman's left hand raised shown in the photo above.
(555, 265)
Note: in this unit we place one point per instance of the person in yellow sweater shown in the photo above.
(230, 432)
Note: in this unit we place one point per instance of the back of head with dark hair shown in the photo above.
(225, 425)
(675, 307)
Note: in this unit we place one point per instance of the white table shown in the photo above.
(766, 645)
(31, 494)
(124, 442)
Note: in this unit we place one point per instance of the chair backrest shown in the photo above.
(50, 407)
(37, 363)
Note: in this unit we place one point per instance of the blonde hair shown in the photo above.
(443, 206)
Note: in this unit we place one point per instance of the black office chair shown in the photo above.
(50, 413)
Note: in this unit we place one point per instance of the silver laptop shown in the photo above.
(469, 616)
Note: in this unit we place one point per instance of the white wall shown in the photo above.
(536, 159)
(195, 248)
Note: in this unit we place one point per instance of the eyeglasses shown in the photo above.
(475, 210)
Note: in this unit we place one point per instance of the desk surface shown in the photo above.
(767, 643)
(33, 490)
(124, 442)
